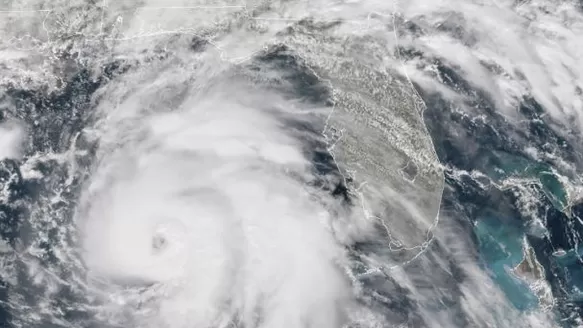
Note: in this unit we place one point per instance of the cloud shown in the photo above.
(11, 138)
(509, 50)
(208, 205)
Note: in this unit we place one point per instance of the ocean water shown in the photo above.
(501, 248)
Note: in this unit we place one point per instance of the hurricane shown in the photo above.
(226, 163)
(215, 204)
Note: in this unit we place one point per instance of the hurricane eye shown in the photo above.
(159, 243)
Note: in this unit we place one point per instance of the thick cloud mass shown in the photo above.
(208, 206)
(10, 139)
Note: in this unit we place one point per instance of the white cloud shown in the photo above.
(208, 203)
(11, 138)
(536, 43)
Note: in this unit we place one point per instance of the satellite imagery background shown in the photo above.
(291, 163)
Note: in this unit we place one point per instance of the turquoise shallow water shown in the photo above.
(504, 165)
(501, 249)
(501, 246)
(500, 240)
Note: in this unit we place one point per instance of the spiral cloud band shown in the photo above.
(209, 205)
